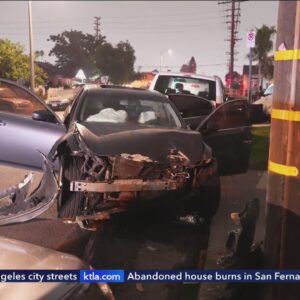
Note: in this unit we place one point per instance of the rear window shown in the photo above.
(168, 84)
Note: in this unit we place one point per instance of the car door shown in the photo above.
(226, 130)
(193, 109)
(22, 136)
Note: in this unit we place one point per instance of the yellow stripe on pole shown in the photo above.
(287, 55)
(286, 115)
(283, 169)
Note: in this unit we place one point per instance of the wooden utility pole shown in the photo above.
(282, 243)
(232, 41)
(97, 27)
(232, 13)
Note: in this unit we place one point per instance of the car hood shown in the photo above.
(156, 143)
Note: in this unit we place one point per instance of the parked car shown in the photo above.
(58, 104)
(208, 87)
(18, 255)
(266, 100)
(119, 146)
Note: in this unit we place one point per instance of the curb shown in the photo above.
(215, 249)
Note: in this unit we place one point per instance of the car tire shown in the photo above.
(70, 203)
(206, 200)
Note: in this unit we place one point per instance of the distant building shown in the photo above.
(56, 76)
(234, 88)
(254, 80)
(240, 84)
(267, 78)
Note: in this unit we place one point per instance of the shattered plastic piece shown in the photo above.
(235, 218)
(151, 248)
(18, 190)
(136, 157)
(23, 207)
(106, 290)
(190, 220)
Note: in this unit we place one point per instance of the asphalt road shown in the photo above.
(147, 240)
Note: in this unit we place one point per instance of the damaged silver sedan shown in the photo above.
(119, 146)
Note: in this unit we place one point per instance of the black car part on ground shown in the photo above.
(243, 254)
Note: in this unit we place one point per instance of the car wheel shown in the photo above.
(70, 203)
(206, 200)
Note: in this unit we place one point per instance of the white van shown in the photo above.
(209, 87)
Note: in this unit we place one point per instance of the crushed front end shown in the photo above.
(90, 187)
(109, 184)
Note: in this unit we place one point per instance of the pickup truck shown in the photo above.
(209, 87)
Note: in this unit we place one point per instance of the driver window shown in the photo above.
(14, 99)
(230, 115)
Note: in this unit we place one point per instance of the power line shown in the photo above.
(165, 23)
(179, 66)
(120, 29)
(135, 18)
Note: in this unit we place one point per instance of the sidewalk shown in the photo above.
(236, 191)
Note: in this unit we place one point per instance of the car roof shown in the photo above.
(189, 75)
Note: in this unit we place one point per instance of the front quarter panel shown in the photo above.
(23, 138)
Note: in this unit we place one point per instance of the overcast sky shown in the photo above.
(189, 28)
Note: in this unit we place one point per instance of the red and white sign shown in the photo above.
(251, 39)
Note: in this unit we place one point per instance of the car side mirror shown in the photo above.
(43, 115)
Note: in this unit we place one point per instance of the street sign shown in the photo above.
(251, 39)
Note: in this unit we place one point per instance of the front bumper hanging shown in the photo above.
(124, 185)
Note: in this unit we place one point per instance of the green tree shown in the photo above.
(75, 50)
(15, 64)
(261, 52)
(116, 62)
